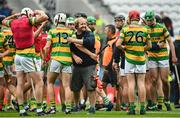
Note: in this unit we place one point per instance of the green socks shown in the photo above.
(106, 100)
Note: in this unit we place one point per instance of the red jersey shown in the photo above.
(37, 43)
(22, 30)
(42, 44)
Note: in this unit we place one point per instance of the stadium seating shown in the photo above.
(170, 7)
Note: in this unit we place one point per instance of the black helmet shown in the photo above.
(77, 15)
(2, 17)
(121, 17)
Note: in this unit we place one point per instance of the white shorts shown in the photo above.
(10, 70)
(39, 64)
(147, 66)
(156, 64)
(1, 74)
(132, 68)
(58, 67)
(122, 72)
(26, 64)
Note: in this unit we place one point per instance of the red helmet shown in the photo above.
(134, 15)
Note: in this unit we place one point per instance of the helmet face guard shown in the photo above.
(134, 15)
(27, 11)
(119, 17)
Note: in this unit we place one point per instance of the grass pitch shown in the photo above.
(103, 114)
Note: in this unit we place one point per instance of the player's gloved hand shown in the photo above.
(155, 46)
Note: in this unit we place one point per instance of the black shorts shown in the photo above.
(83, 76)
(122, 62)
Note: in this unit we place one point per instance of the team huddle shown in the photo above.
(131, 52)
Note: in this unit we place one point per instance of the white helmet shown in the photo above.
(59, 18)
(27, 11)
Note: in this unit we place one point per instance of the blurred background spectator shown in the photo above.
(5, 9)
(168, 23)
(99, 23)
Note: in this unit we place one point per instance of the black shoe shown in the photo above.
(75, 109)
(92, 110)
(124, 107)
(27, 107)
(168, 106)
(63, 108)
(67, 111)
(82, 106)
(23, 114)
(148, 108)
(176, 106)
(15, 104)
(159, 107)
(52, 110)
(151, 108)
(109, 106)
(142, 111)
(99, 106)
(42, 113)
(131, 112)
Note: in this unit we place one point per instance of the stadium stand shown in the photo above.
(170, 7)
(17, 5)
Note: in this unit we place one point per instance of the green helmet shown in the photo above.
(149, 15)
(70, 20)
(91, 19)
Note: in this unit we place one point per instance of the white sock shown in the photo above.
(39, 110)
(82, 101)
(22, 111)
